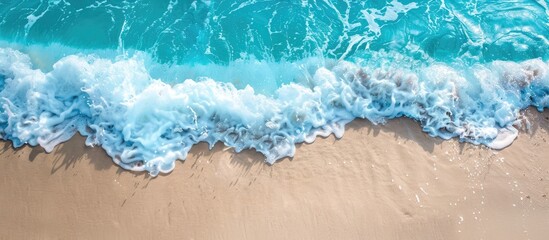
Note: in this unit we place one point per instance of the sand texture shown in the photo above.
(377, 182)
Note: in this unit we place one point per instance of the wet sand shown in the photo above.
(377, 182)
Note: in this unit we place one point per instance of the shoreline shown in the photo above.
(386, 181)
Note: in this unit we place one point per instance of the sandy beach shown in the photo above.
(377, 182)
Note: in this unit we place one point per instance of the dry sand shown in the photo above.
(378, 182)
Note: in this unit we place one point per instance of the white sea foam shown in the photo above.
(146, 119)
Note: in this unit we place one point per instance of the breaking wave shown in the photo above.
(146, 88)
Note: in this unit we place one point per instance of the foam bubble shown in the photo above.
(145, 121)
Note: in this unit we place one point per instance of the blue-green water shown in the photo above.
(148, 79)
(224, 31)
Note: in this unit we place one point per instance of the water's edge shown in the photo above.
(145, 123)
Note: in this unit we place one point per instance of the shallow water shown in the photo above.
(146, 80)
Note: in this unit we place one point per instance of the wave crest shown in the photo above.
(145, 123)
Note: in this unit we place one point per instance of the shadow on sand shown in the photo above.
(403, 129)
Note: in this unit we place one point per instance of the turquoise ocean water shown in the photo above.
(147, 79)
